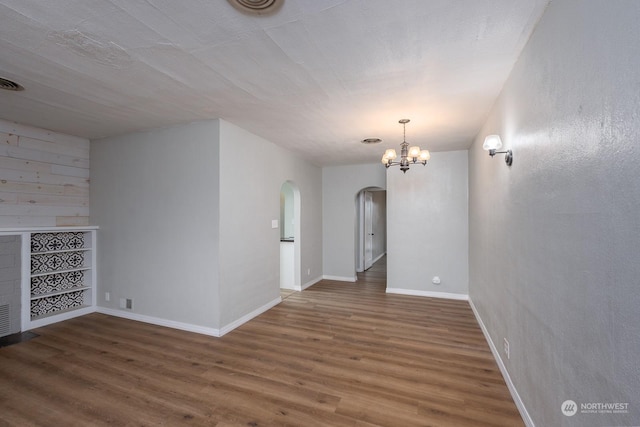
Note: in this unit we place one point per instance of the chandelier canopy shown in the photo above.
(408, 154)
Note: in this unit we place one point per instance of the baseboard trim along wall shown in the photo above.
(58, 318)
(341, 278)
(160, 322)
(188, 326)
(310, 283)
(430, 294)
(244, 319)
(503, 369)
(305, 286)
(376, 259)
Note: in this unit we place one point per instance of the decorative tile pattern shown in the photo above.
(43, 242)
(48, 305)
(52, 262)
(56, 282)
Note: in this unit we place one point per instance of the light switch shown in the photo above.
(274, 223)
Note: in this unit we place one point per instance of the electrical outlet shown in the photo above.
(129, 304)
(308, 272)
(506, 348)
(107, 296)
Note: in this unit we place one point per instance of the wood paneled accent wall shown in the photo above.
(44, 177)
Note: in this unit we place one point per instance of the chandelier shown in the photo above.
(408, 154)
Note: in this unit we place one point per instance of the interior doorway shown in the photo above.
(290, 236)
(368, 234)
(371, 227)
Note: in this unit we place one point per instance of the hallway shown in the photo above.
(377, 273)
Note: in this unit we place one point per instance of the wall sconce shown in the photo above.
(493, 143)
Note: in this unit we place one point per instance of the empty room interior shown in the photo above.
(320, 213)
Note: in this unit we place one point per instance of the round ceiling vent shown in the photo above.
(371, 141)
(257, 7)
(9, 85)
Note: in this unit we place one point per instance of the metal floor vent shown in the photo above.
(257, 7)
(9, 85)
(5, 323)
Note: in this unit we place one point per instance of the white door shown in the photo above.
(10, 269)
(368, 229)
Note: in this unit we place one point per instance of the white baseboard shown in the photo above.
(503, 369)
(430, 294)
(359, 269)
(244, 319)
(376, 259)
(160, 322)
(341, 278)
(188, 326)
(58, 318)
(305, 286)
(311, 283)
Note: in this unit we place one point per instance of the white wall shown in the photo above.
(554, 239)
(249, 201)
(155, 198)
(427, 227)
(340, 187)
(44, 177)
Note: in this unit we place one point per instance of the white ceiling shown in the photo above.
(316, 77)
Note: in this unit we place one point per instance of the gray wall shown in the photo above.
(185, 223)
(554, 239)
(155, 197)
(340, 187)
(249, 201)
(427, 226)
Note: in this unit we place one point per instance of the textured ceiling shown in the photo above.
(316, 77)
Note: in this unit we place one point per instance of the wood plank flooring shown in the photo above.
(337, 354)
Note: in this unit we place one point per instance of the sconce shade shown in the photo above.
(492, 142)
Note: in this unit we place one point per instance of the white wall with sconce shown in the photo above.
(427, 227)
(554, 238)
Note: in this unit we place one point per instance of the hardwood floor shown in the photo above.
(337, 354)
